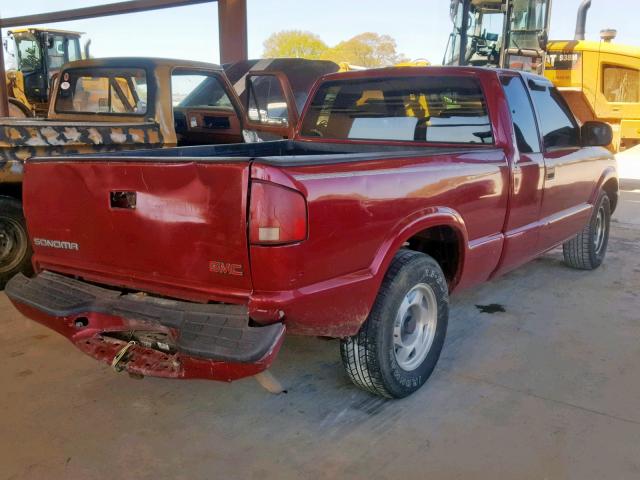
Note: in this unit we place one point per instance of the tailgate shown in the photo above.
(173, 227)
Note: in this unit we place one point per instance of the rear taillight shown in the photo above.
(277, 215)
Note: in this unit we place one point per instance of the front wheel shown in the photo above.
(398, 346)
(15, 249)
(586, 250)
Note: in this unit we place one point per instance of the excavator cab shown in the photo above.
(499, 33)
(33, 57)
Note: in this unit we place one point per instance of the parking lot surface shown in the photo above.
(547, 388)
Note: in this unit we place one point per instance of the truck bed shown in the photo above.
(192, 211)
(284, 153)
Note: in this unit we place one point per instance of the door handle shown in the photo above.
(551, 173)
(122, 199)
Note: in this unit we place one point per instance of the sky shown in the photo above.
(420, 27)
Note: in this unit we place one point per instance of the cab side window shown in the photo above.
(524, 121)
(559, 129)
(620, 84)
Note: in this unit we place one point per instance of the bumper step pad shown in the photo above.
(216, 332)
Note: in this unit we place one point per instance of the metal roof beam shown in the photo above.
(117, 8)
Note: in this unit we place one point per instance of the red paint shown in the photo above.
(141, 360)
(277, 215)
(498, 203)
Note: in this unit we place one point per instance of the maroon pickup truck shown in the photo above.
(400, 187)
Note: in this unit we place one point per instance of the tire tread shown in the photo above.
(578, 252)
(359, 353)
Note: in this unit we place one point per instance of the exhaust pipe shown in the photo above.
(581, 22)
(87, 49)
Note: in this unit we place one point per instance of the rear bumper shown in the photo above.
(174, 339)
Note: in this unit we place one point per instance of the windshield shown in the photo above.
(28, 50)
(480, 36)
(528, 21)
(483, 30)
(61, 49)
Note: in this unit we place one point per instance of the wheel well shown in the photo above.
(13, 190)
(611, 187)
(442, 243)
(26, 111)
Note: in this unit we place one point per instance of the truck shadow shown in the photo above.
(320, 396)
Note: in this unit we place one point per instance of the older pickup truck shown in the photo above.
(401, 186)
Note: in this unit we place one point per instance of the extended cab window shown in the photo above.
(415, 109)
(103, 91)
(620, 85)
(559, 129)
(524, 121)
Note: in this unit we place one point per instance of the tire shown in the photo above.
(15, 248)
(587, 250)
(378, 358)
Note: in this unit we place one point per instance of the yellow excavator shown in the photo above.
(599, 79)
(32, 57)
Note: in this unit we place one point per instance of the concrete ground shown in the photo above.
(629, 168)
(549, 389)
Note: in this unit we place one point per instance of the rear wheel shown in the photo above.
(15, 249)
(397, 348)
(586, 250)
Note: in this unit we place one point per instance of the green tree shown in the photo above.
(294, 43)
(366, 50)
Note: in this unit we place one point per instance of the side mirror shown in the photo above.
(543, 40)
(596, 134)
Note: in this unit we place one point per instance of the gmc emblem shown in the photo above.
(226, 268)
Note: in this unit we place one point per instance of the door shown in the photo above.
(527, 181)
(568, 182)
(32, 66)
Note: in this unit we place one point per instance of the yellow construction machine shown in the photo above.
(32, 57)
(599, 79)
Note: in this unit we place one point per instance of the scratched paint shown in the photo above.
(19, 142)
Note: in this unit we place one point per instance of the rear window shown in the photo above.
(103, 90)
(415, 109)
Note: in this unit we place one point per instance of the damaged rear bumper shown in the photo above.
(173, 339)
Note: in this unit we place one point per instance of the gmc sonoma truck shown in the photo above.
(400, 187)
